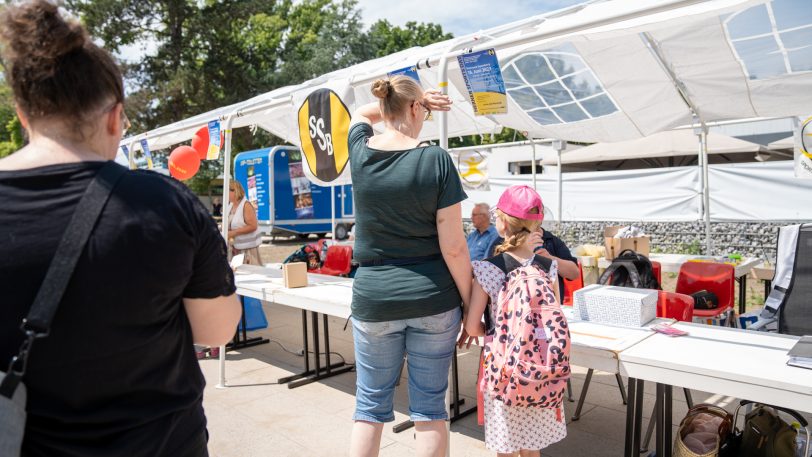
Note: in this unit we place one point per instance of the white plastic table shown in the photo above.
(740, 363)
(325, 295)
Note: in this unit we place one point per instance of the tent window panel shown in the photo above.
(544, 116)
(535, 69)
(570, 113)
(526, 98)
(761, 57)
(583, 85)
(801, 59)
(599, 106)
(564, 64)
(791, 13)
(797, 39)
(554, 93)
(511, 77)
(750, 22)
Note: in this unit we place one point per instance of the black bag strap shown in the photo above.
(38, 322)
(634, 276)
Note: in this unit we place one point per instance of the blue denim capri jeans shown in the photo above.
(428, 343)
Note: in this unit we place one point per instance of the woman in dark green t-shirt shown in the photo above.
(415, 270)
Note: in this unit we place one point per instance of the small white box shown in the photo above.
(615, 305)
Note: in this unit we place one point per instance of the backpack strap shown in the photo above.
(38, 322)
(628, 265)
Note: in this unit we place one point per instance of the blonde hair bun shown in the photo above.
(381, 88)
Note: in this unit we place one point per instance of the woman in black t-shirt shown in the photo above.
(117, 375)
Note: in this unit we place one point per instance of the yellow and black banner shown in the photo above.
(324, 123)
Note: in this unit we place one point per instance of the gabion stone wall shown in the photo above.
(750, 239)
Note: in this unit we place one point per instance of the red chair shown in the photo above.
(571, 286)
(714, 277)
(338, 263)
(672, 305)
(657, 269)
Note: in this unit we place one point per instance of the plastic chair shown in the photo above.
(672, 305)
(338, 263)
(571, 286)
(718, 278)
(657, 269)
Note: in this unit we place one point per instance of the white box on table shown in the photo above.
(615, 305)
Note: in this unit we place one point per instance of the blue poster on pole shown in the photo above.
(406, 71)
(147, 153)
(483, 79)
(214, 141)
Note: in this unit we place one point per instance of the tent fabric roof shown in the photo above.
(664, 144)
(784, 143)
(612, 71)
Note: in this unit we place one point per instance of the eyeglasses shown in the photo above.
(427, 116)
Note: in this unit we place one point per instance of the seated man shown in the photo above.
(484, 233)
(552, 248)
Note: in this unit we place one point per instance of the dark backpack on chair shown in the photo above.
(630, 269)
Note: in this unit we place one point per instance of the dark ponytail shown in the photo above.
(53, 66)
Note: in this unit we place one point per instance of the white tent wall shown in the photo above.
(739, 193)
(759, 192)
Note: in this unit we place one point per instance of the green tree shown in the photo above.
(383, 38)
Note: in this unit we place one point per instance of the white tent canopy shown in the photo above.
(664, 144)
(604, 71)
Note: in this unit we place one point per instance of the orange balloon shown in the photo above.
(183, 163)
(200, 142)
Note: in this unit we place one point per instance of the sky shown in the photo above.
(458, 16)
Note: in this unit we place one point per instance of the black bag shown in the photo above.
(630, 269)
(308, 254)
(705, 300)
(764, 433)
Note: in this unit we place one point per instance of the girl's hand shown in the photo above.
(464, 338)
(436, 101)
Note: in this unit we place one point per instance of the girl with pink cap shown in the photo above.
(512, 429)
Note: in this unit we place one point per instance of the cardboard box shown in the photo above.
(294, 274)
(614, 246)
(624, 306)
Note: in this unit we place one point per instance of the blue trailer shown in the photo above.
(286, 201)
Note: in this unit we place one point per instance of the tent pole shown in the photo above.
(533, 166)
(442, 81)
(703, 150)
(226, 182)
(559, 146)
(131, 155)
(332, 212)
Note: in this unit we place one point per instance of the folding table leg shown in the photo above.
(581, 399)
(622, 389)
(629, 448)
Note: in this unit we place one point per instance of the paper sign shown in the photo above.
(406, 71)
(803, 150)
(483, 79)
(147, 153)
(214, 141)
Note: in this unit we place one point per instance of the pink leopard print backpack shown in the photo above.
(526, 362)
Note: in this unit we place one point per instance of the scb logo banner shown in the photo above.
(324, 123)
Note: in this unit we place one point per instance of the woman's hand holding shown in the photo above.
(436, 101)
(464, 338)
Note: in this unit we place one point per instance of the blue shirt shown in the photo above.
(479, 243)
